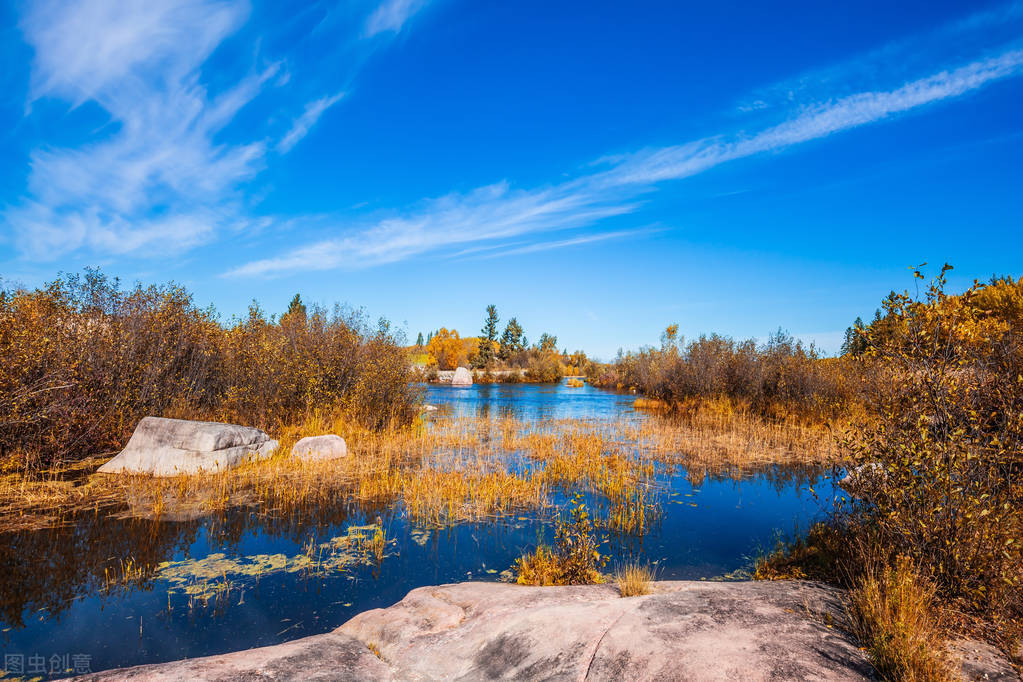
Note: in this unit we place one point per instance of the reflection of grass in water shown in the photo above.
(127, 572)
(206, 578)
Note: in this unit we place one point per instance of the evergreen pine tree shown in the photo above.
(855, 342)
(548, 343)
(296, 309)
(511, 340)
(488, 335)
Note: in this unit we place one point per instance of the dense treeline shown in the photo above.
(931, 537)
(83, 359)
(781, 378)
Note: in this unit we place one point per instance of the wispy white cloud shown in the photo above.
(487, 213)
(102, 49)
(300, 128)
(391, 15)
(497, 211)
(573, 241)
(139, 62)
(813, 122)
(159, 177)
(902, 59)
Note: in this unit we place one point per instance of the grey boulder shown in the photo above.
(462, 377)
(485, 631)
(682, 631)
(786, 630)
(172, 447)
(313, 448)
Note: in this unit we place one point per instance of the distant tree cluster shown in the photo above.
(497, 350)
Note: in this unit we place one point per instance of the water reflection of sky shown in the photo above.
(52, 581)
(530, 401)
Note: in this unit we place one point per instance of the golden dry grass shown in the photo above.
(466, 469)
(892, 616)
(540, 569)
(649, 404)
(634, 579)
(717, 434)
(544, 568)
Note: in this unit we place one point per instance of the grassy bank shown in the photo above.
(83, 359)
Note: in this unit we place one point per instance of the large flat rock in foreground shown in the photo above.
(483, 631)
(172, 447)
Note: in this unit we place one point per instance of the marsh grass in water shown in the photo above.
(575, 558)
(266, 526)
(451, 470)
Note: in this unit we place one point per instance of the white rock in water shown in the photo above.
(868, 474)
(171, 447)
(320, 447)
(462, 377)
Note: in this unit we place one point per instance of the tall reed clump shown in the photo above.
(892, 616)
(574, 454)
(82, 359)
(721, 433)
(634, 579)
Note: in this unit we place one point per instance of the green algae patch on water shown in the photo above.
(420, 536)
(208, 577)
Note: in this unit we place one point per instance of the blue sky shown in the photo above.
(599, 170)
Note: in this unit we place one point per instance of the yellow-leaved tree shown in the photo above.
(448, 349)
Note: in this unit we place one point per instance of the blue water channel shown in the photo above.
(59, 612)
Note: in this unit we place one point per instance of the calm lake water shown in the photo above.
(54, 602)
